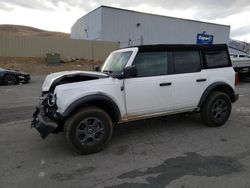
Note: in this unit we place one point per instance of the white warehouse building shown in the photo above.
(131, 28)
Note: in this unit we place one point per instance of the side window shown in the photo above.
(151, 64)
(187, 61)
(216, 59)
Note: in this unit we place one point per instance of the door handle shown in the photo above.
(201, 80)
(165, 84)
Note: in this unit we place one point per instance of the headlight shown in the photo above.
(22, 77)
(51, 99)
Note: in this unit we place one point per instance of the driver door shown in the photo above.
(150, 93)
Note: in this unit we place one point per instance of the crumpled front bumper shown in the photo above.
(41, 123)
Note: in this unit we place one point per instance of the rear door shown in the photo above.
(189, 80)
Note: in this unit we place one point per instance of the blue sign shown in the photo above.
(203, 38)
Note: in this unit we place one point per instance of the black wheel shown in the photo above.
(10, 79)
(216, 110)
(88, 130)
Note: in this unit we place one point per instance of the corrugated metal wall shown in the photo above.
(122, 25)
(29, 46)
(132, 28)
(92, 26)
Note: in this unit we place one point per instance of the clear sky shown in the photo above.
(57, 15)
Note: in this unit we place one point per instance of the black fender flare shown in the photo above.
(217, 86)
(90, 99)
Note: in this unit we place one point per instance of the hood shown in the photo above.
(58, 78)
(17, 72)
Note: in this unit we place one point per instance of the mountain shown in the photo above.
(30, 31)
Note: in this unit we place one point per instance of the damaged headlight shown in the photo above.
(51, 99)
(48, 100)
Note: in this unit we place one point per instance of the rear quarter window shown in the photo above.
(216, 59)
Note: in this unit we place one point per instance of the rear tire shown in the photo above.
(88, 130)
(10, 79)
(216, 110)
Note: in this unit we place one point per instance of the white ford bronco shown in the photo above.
(136, 83)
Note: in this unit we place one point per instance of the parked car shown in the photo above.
(240, 56)
(137, 83)
(12, 77)
(241, 64)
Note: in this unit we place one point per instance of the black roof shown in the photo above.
(180, 47)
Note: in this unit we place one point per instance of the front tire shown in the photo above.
(10, 79)
(88, 130)
(216, 110)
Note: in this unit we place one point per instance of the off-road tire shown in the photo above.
(79, 118)
(216, 110)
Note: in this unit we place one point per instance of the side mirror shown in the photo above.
(98, 68)
(130, 72)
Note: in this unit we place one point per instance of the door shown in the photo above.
(189, 80)
(151, 91)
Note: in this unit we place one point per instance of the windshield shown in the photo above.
(116, 62)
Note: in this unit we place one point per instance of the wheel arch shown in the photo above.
(99, 100)
(217, 86)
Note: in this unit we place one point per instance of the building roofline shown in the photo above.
(87, 14)
(93, 11)
(122, 9)
(238, 50)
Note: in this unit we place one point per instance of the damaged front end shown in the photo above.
(46, 120)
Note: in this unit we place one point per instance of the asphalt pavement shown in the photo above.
(175, 151)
